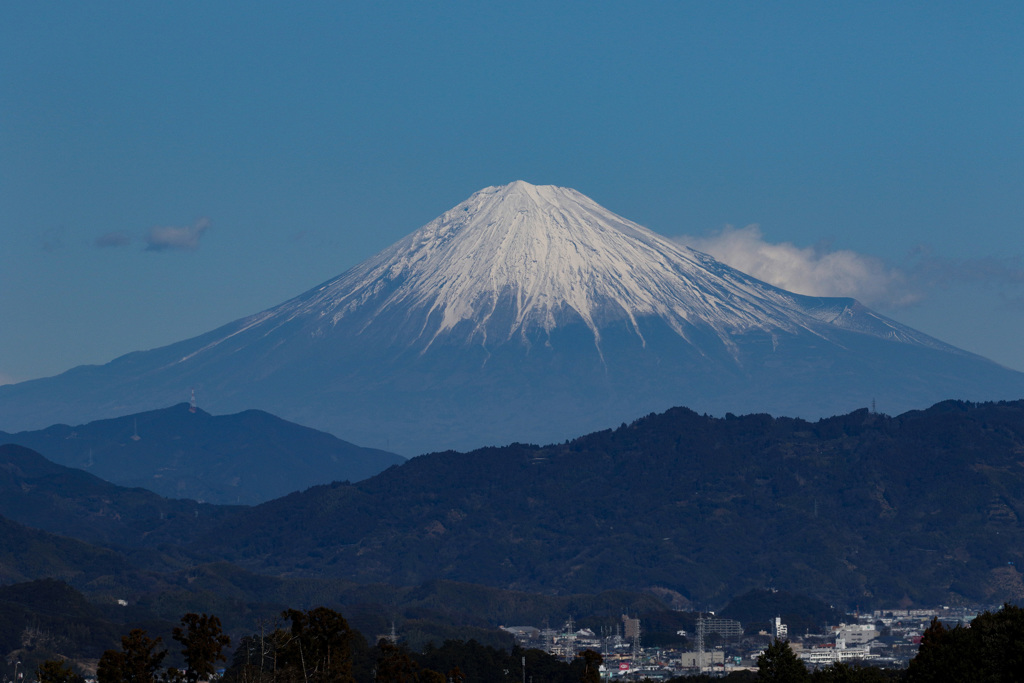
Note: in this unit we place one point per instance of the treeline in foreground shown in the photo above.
(314, 646)
(318, 646)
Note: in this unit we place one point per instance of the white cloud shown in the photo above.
(183, 239)
(810, 270)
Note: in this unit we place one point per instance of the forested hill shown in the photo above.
(69, 502)
(859, 508)
(247, 458)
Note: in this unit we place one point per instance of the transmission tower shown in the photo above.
(700, 642)
(570, 639)
(636, 641)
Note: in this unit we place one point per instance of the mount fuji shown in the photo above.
(527, 313)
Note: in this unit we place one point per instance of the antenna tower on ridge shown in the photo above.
(192, 402)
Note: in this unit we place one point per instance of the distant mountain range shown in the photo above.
(527, 313)
(859, 509)
(247, 458)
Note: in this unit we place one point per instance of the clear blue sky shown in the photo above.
(167, 167)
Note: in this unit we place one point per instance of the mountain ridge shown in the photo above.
(180, 452)
(528, 313)
(50, 497)
(864, 507)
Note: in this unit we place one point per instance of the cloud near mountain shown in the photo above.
(813, 271)
(818, 271)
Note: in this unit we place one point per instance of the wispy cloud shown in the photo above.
(173, 238)
(113, 239)
(815, 271)
(819, 271)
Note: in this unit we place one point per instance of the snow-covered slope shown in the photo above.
(519, 259)
(527, 313)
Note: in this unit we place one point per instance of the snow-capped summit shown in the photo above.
(515, 260)
(528, 313)
(547, 256)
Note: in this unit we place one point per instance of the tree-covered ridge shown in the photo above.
(858, 509)
(861, 507)
(246, 458)
(71, 502)
(27, 554)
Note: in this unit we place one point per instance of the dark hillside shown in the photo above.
(27, 554)
(66, 501)
(245, 458)
(856, 508)
(47, 618)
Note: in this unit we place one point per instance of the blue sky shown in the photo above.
(169, 167)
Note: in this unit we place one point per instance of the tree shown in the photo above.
(998, 643)
(57, 671)
(394, 665)
(945, 655)
(138, 661)
(591, 666)
(255, 659)
(204, 644)
(779, 663)
(991, 649)
(431, 676)
(319, 647)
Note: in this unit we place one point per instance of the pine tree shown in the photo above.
(780, 664)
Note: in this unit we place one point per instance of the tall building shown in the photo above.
(779, 630)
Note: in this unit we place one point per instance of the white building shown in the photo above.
(856, 634)
(830, 654)
(702, 660)
(779, 630)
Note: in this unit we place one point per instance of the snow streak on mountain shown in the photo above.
(514, 260)
(528, 313)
